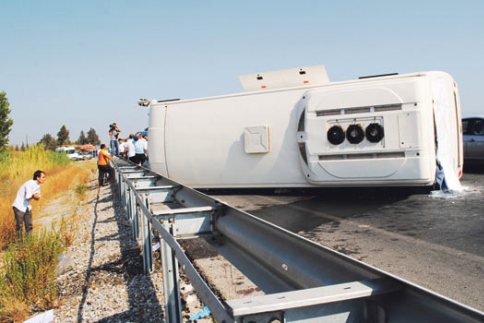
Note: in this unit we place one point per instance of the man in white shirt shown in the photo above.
(131, 154)
(122, 147)
(21, 206)
(140, 148)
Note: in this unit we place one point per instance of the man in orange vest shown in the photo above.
(103, 165)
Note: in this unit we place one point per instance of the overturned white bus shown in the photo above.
(294, 128)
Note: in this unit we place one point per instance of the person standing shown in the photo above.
(145, 137)
(114, 131)
(103, 165)
(130, 151)
(122, 147)
(22, 209)
(140, 148)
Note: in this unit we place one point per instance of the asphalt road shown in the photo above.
(433, 241)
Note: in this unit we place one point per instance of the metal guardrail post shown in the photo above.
(135, 219)
(131, 205)
(127, 201)
(122, 189)
(171, 287)
(146, 238)
(120, 185)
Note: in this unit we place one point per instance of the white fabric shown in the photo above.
(140, 146)
(146, 146)
(112, 134)
(44, 317)
(130, 147)
(443, 103)
(24, 194)
(122, 147)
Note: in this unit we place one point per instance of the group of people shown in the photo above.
(133, 148)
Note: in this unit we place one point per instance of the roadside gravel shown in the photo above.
(102, 276)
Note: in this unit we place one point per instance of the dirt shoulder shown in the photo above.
(101, 275)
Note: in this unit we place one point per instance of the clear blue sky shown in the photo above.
(85, 63)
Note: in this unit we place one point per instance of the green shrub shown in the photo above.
(59, 159)
(81, 191)
(29, 268)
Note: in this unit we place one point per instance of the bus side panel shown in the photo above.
(206, 141)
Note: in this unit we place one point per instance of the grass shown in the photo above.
(28, 273)
(18, 167)
(81, 191)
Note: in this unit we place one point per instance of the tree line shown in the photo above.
(62, 139)
(47, 140)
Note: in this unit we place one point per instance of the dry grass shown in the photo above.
(13, 310)
(68, 228)
(62, 175)
(27, 275)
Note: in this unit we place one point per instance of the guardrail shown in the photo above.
(302, 281)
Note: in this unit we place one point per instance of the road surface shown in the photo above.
(436, 242)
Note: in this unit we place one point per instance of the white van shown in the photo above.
(71, 153)
(296, 129)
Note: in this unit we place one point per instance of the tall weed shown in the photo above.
(81, 191)
(28, 273)
(59, 159)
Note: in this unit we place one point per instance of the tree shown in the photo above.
(63, 136)
(92, 137)
(82, 138)
(5, 121)
(48, 141)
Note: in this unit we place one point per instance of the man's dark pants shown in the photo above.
(105, 169)
(22, 218)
